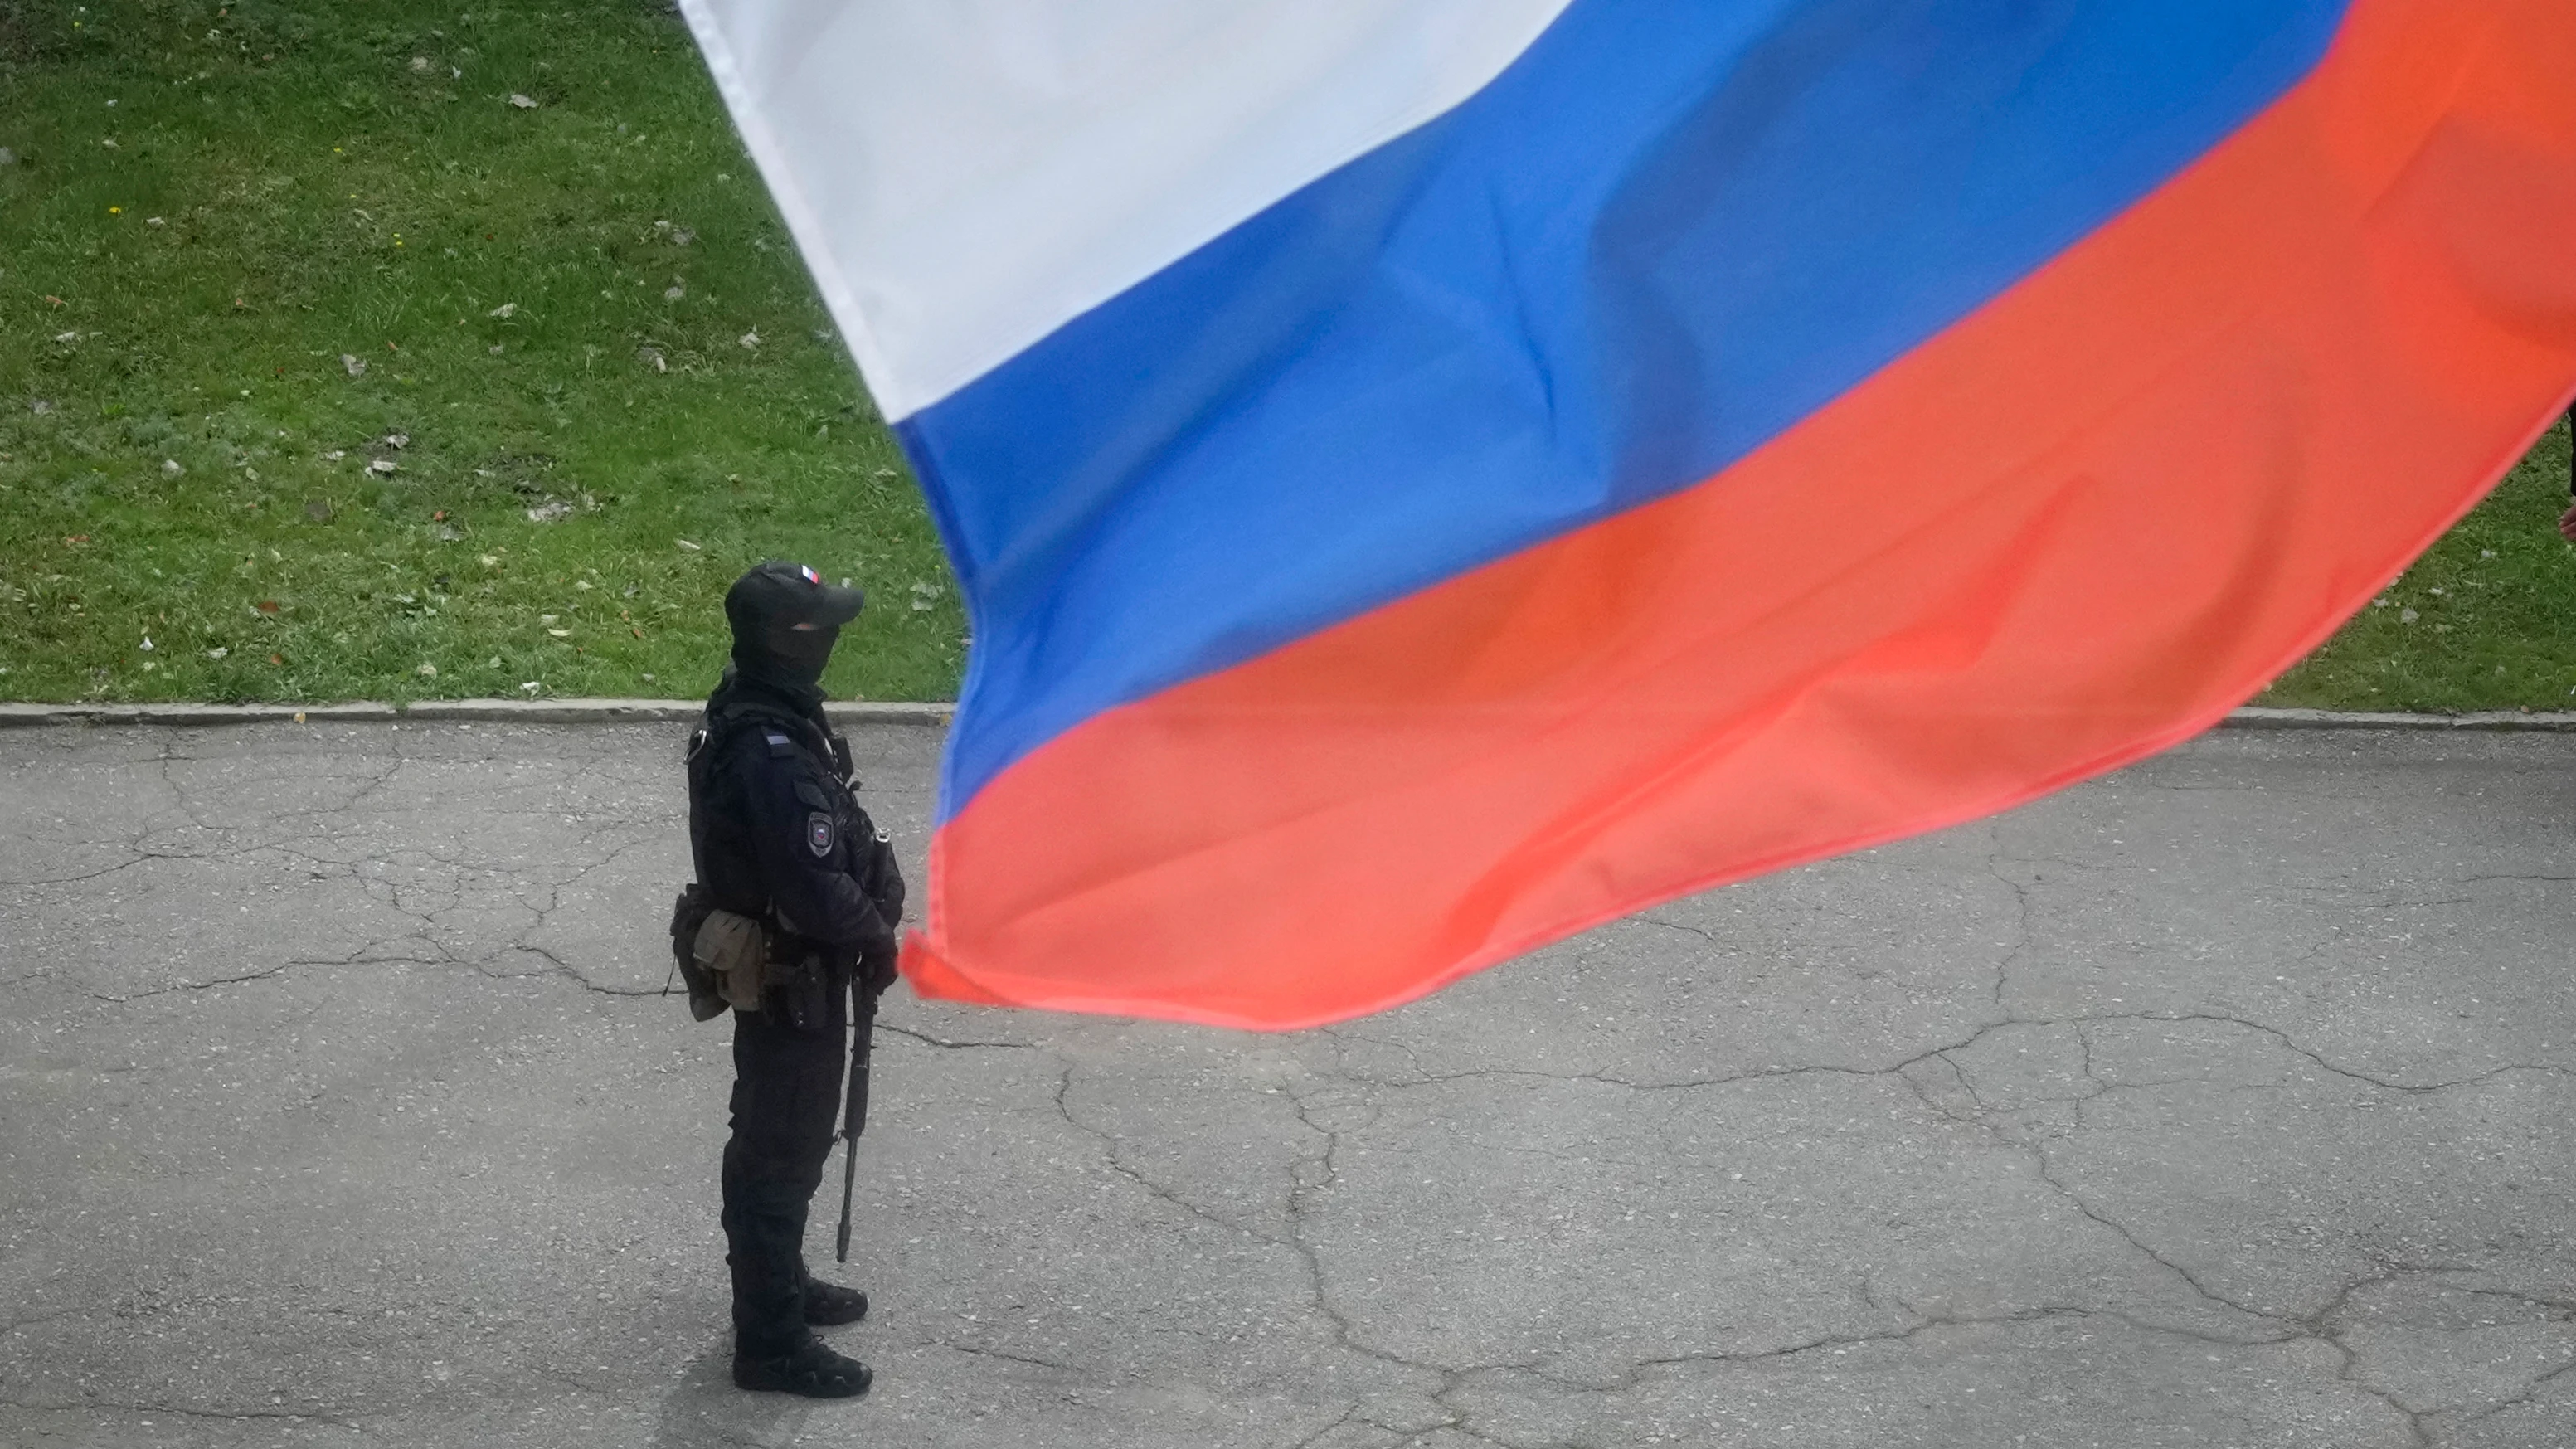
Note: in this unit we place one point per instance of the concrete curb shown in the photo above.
(499, 711)
(665, 711)
(2551, 722)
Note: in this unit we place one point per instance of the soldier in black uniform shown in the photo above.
(779, 836)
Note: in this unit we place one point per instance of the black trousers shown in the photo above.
(786, 1101)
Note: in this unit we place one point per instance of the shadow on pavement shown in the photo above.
(704, 1408)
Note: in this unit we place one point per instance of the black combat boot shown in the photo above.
(808, 1369)
(829, 1305)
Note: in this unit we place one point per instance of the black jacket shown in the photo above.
(777, 831)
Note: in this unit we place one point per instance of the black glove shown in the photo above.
(876, 967)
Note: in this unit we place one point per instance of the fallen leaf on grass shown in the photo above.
(170, 468)
(560, 633)
(750, 340)
(266, 606)
(277, 659)
(428, 671)
(522, 102)
(147, 643)
(550, 512)
(505, 310)
(548, 618)
(217, 653)
(356, 365)
(419, 64)
(67, 337)
(397, 440)
(382, 466)
(684, 543)
(39, 407)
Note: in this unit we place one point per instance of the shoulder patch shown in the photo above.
(779, 745)
(818, 834)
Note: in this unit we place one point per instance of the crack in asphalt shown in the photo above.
(945, 1044)
(2021, 930)
(2530, 1392)
(975, 1351)
(1110, 1159)
(263, 974)
(182, 1411)
(1984, 1029)
(36, 1320)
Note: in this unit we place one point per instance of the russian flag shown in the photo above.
(1428, 476)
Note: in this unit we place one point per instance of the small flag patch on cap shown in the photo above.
(807, 570)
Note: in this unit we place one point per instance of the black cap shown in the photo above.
(779, 592)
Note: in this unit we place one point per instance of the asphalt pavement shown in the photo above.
(2223, 1102)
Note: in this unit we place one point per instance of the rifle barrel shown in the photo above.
(854, 1117)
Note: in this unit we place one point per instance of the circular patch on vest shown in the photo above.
(818, 833)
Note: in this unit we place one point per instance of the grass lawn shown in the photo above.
(2486, 619)
(334, 371)
(372, 349)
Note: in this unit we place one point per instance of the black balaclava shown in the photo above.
(785, 621)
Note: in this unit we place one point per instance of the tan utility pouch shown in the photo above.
(730, 948)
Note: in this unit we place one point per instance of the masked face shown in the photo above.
(802, 651)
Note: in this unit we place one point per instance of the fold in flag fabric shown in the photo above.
(1430, 476)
